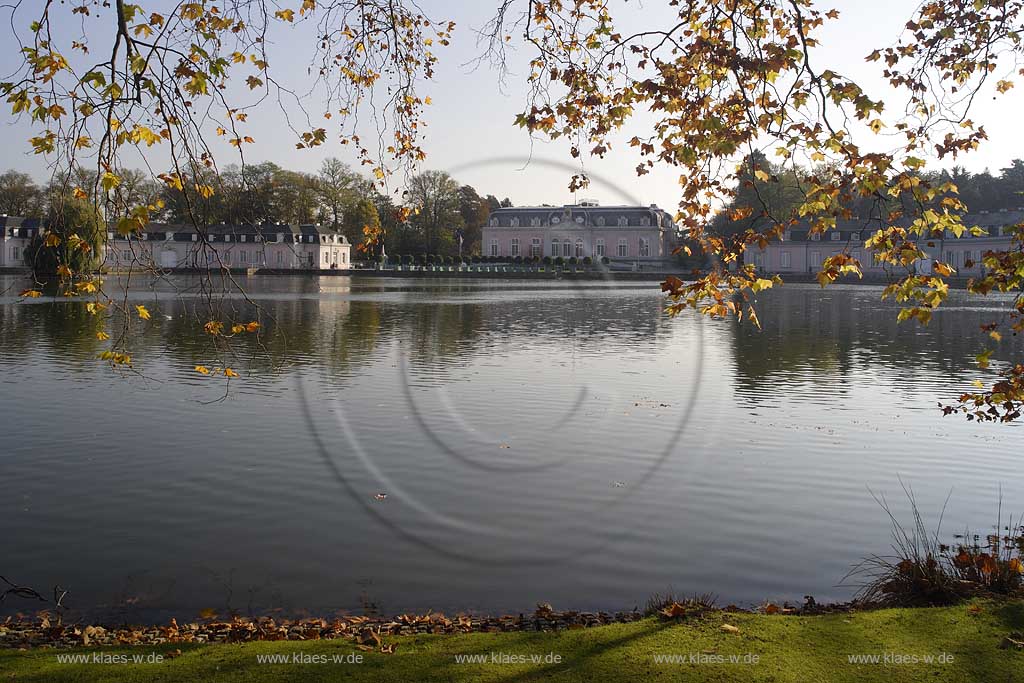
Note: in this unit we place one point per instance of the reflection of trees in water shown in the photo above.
(64, 328)
(836, 332)
(327, 323)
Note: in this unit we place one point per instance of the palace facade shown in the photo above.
(626, 234)
(171, 246)
(803, 252)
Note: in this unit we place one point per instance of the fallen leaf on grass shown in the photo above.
(729, 628)
(674, 611)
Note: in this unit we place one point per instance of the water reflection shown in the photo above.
(557, 400)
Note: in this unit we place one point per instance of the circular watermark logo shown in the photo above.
(465, 532)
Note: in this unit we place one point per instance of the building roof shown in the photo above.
(182, 232)
(862, 228)
(587, 214)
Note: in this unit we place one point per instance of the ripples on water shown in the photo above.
(536, 441)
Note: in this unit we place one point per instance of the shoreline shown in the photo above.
(652, 276)
(48, 630)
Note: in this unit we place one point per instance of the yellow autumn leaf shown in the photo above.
(228, 372)
(285, 14)
(63, 270)
(761, 175)
(31, 293)
(102, 336)
(143, 313)
(214, 327)
(109, 181)
(237, 329)
(252, 327)
(202, 370)
(52, 239)
(79, 193)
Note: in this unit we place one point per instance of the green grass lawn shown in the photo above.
(963, 643)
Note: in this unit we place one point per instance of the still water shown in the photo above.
(480, 445)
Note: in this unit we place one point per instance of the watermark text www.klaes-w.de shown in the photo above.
(710, 658)
(508, 658)
(309, 658)
(110, 658)
(900, 658)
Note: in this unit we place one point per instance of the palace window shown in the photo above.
(784, 259)
(327, 257)
(535, 246)
(515, 247)
(579, 249)
(535, 222)
(815, 236)
(243, 257)
(494, 221)
(645, 246)
(494, 247)
(280, 258)
(836, 236)
(567, 248)
(14, 253)
(555, 220)
(599, 247)
(514, 223)
(645, 220)
(554, 247)
(127, 255)
(623, 248)
(623, 220)
(600, 221)
(579, 219)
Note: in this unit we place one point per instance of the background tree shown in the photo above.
(19, 195)
(436, 200)
(73, 243)
(361, 214)
(338, 187)
(296, 197)
(474, 211)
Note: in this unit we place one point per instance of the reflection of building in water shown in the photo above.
(802, 251)
(334, 289)
(171, 246)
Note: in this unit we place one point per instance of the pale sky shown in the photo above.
(471, 132)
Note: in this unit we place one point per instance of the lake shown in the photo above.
(481, 445)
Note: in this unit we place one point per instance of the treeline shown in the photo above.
(775, 193)
(337, 197)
